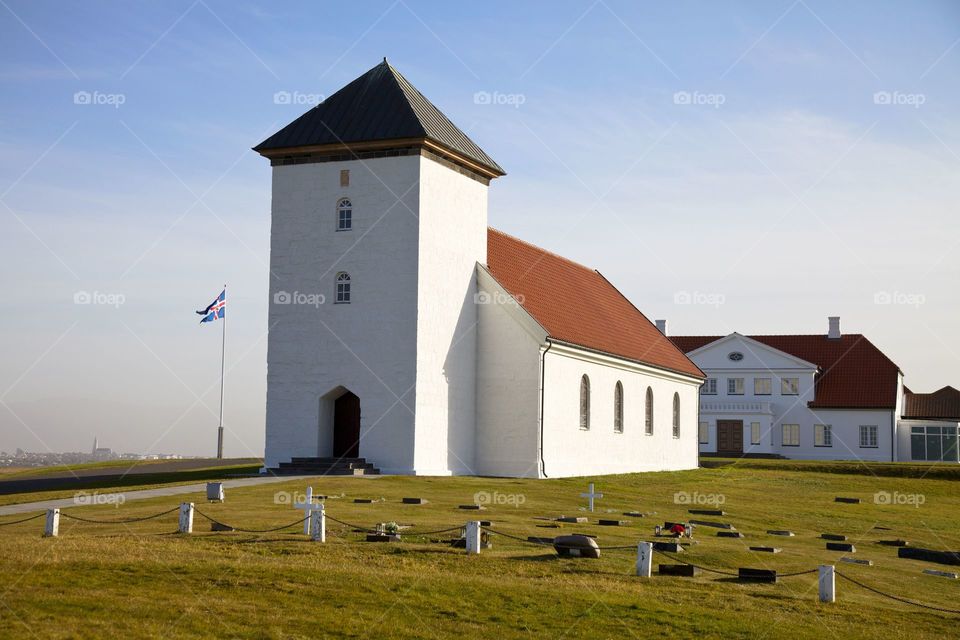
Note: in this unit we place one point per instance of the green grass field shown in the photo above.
(143, 580)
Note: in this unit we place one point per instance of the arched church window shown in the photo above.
(618, 408)
(584, 402)
(344, 215)
(343, 288)
(648, 413)
(676, 415)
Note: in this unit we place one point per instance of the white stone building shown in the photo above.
(830, 396)
(406, 335)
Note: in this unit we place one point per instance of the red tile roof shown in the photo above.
(854, 374)
(939, 405)
(577, 305)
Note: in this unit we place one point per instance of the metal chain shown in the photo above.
(39, 515)
(286, 526)
(897, 598)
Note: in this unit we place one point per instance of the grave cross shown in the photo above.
(591, 494)
(308, 508)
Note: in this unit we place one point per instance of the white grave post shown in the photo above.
(827, 582)
(591, 494)
(186, 518)
(473, 537)
(307, 506)
(645, 559)
(215, 491)
(52, 527)
(318, 524)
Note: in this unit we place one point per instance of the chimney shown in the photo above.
(661, 326)
(834, 332)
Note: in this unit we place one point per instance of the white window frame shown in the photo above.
(754, 433)
(732, 384)
(872, 433)
(344, 214)
(703, 433)
(757, 382)
(789, 386)
(793, 440)
(343, 288)
(822, 435)
(709, 387)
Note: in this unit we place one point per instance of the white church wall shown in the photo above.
(845, 431)
(508, 384)
(571, 451)
(314, 348)
(453, 238)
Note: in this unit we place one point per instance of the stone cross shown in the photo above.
(308, 507)
(591, 494)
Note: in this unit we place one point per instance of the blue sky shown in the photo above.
(777, 162)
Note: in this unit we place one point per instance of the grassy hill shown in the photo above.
(142, 580)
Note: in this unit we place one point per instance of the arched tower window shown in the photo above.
(618, 408)
(648, 413)
(676, 415)
(344, 215)
(584, 402)
(343, 288)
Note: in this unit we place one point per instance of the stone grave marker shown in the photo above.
(729, 534)
(471, 507)
(847, 500)
(576, 546)
(715, 525)
(362, 501)
(572, 519)
(942, 574)
(684, 570)
(929, 555)
(414, 501)
(779, 532)
(612, 523)
(894, 543)
(833, 536)
(841, 546)
(767, 549)
(757, 575)
(868, 563)
(591, 495)
(707, 512)
(672, 547)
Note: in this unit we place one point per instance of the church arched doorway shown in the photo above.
(346, 426)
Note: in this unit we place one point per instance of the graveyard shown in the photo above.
(107, 575)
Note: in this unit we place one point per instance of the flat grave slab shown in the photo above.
(362, 501)
(486, 523)
(573, 519)
(383, 537)
(894, 543)
(672, 547)
(847, 500)
(612, 523)
(781, 532)
(942, 574)
(633, 514)
(841, 546)
(414, 501)
(929, 555)
(684, 570)
(757, 575)
(729, 534)
(707, 512)
(715, 525)
(868, 563)
(767, 549)
(833, 536)
(471, 507)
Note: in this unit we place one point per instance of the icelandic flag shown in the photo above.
(215, 309)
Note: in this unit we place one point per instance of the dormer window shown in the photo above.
(344, 215)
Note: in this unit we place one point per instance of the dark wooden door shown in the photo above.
(346, 426)
(730, 436)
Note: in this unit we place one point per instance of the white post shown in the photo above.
(473, 537)
(828, 587)
(52, 528)
(186, 518)
(645, 559)
(318, 524)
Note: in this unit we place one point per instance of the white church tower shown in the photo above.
(379, 218)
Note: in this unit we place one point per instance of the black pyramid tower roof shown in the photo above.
(380, 105)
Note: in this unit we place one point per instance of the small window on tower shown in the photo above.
(343, 288)
(344, 215)
(345, 177)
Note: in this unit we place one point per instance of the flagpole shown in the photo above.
(223, 351)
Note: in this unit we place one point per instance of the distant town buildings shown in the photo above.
(23, 458)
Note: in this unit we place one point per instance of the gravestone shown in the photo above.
(633, 514)
(894, 543)
(684, 570)
(778, 532)
(591, 495)
(707, 512)
(841, 546)
(383, 537)
(414, 501)
(757, 575)
(219, 526)
(671, 547)
(767, 549)
(612, 523)
(715, 525)
(868, 563)
(573, 519)
(833, 536)
(929, 555)
(308, 507)
(470, 507)
(847, 500)
(215, 491)
(362, 501)
(942, 574)
(729, 534)
(576, 546)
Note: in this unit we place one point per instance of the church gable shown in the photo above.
(578, 306)
(736, 351)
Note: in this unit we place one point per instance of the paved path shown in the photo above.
(145, 494)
